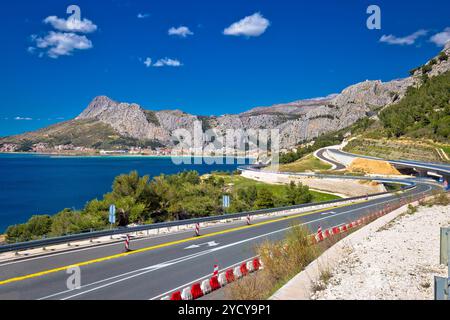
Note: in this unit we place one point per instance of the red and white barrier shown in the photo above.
(197, 229)
(214, 282)
(237, 273)
(198, 290)
(127, 243)
(223, 279)
(206, 287)
(216, 270)
(186, 294)
(250, 267)
(229, 274)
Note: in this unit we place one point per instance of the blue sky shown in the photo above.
(283, 51)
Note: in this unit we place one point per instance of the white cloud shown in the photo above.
(71, 24)
(148, 62)
(441, 38)
(57, 44)
(251, 26)
(167, 62)
(23, 118)
(143, 15)
(408, 40)
(181, 31)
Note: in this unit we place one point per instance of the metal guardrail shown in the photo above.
(97, 234)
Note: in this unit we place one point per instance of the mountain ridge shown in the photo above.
(298, 121)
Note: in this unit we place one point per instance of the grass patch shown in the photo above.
(237, 181)
(282, 260)
(395, 149)
(440, 198)
(446, 150)
(411, 209)
(307, 163)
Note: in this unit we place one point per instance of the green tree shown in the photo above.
(264, 199)
(39, 226)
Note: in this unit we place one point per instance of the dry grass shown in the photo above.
(367, 166)
(440, 198)
(2, 238)
(282, 260)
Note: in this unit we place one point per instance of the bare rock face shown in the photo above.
(297, 121)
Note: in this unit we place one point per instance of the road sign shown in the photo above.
(226, 201)
(112, 214)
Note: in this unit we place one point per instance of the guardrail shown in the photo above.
(97, 234)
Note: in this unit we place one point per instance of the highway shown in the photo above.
(337, 165)
(159, 265)
(440, 167)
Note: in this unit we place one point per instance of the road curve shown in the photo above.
(337, 165)
(161, 264)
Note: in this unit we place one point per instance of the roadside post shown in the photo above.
(442, 284)
(112, 216)
(226, 201)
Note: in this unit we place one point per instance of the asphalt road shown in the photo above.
(338, 165)
(159, 265)
(441, 167)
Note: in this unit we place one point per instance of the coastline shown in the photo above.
(96, 155)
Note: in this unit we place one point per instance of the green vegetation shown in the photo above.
(446, 150)
(324, 140)
(152, 118)
(165, 198)
(423, 113)
(391, 187)
(443, 56)
(394, 149)
(240, 185)
(206, 123)
(307, 163)
(25, 146)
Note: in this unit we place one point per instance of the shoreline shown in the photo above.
(87, 155)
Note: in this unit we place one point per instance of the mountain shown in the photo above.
(107, 124)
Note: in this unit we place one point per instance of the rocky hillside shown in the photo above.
(297, 121)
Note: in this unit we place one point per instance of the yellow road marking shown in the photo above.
(163, 245)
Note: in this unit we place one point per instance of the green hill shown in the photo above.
(80, 133)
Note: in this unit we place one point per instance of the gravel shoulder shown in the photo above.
(398, 261)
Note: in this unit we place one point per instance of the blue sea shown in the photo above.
(33, 184)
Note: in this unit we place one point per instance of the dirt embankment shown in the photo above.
(369, 166)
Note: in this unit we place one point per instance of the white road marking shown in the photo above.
(159, 266)
(209, 244)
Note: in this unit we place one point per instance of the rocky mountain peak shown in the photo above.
(98, 105)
